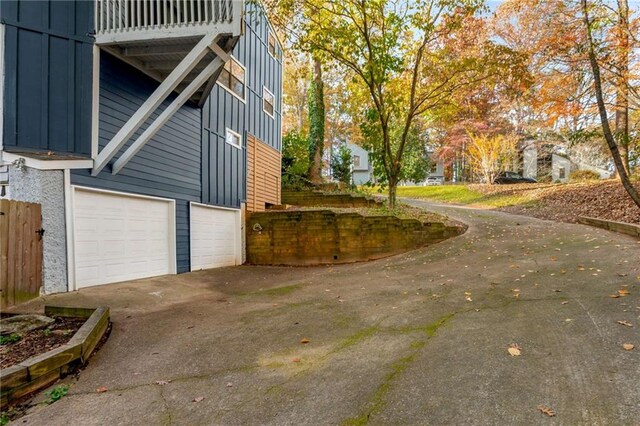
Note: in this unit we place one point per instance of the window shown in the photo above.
(233, 138)
(232, 78)
(272, 45)
(356, 161)
(267, 102)
(561, 173)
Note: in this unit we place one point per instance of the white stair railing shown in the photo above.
(122, 16)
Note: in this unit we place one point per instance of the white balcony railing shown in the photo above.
(131, 20)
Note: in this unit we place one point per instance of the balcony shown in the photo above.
(183, 44)
(124, 21)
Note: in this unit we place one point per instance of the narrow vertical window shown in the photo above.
(268, 101)
(272, 45)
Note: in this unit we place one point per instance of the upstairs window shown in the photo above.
(268, 101)
(356, 161)
(233, 138)
(272, 45)
(232, 78)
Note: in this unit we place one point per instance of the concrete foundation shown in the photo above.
(45, 187)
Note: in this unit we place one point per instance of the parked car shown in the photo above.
(433, 181)
(511, 177)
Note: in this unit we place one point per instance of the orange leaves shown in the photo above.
(546, 410)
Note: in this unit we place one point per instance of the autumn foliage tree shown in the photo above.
(410, 57)
(491, 154)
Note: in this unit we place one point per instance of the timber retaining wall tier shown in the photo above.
(326, 237)
(327, 199)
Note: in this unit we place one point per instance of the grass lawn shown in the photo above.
(463, 194)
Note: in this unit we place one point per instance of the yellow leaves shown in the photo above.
(305, 341)
(546, 410)
(628, 346)
(623, 292)
(514, 349)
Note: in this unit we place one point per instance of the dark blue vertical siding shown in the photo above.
(223, 110)
(169, 164)
(48, 75)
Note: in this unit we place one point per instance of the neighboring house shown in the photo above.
(437, 171)
(144, 129)
(362, 171)
(542, 163)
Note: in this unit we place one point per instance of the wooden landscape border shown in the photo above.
(621, 227)
(42, 370)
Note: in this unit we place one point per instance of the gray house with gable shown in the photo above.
(137, 126)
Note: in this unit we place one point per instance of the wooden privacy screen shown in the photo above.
(263, 175)
(20, 251)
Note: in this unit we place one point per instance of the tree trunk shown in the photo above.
(393, 187)
(608, 135)
(621, 83)
(316, 123)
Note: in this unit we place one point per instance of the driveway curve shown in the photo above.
(420, 338)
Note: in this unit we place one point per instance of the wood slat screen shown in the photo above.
(263, 175)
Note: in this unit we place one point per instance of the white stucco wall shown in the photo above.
(558, 162)
(45, 187)
(530, 162)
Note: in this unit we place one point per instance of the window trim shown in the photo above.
(270, 36)
(243, 100)
(273, 116)
(234, 133)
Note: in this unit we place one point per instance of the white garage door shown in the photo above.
(120, 237)
(215, 237)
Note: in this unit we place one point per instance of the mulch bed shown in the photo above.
(37, 342)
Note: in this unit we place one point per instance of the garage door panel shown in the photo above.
(215, 237)
(120, 237)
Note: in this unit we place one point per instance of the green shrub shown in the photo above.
(583, 175)
(56, 393)
(11, 338)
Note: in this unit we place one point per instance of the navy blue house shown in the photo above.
(144, 129)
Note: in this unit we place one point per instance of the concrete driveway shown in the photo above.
(419, 338)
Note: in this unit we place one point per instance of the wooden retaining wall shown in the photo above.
(621, 227)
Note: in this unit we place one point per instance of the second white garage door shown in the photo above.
(215, 237)
(121, 237)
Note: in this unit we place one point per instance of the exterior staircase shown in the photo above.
(183, 44)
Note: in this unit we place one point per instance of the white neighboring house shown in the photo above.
(362, 171)
(536, 165)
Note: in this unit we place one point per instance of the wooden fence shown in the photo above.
(20, 251)
(263, 175)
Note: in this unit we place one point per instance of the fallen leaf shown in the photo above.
(564, 303)
(102, 389)
(546, 410)
(628, 346)
(514, 350)
(622, 275)
(229, 384)
(468, 299)
(296, 360)
(162, 382)
(623, 292)
(614, 296)
(626, 323)
(198, 399)
(304, 341)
